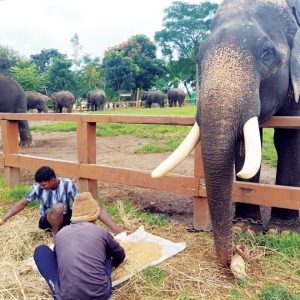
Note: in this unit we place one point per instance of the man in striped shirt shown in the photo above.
(56, 196)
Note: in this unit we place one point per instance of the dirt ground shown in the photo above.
(120, 151)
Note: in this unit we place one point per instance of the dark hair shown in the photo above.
(44, 174)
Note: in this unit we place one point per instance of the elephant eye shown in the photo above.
(268, 56)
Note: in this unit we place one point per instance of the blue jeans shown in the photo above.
(46, 262)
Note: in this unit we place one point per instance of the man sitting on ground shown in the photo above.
(81, 264)
(55, 196)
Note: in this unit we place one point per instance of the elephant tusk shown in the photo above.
(252, 149)
(179, 155)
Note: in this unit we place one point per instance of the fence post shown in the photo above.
(10, 140)
(86, 152)
(201, 214)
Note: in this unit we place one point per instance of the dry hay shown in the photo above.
(194, 270)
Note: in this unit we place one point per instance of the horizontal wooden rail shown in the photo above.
(132, 119)
(253, 193)
(170, 183)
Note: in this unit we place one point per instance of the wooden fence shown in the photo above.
(88, 172)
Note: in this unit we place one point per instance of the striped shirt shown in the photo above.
(65, 193)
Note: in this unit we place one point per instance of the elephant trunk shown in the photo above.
(229, 98)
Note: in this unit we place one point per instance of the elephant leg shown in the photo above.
(25, 135)
(243, 210)
(287, 143)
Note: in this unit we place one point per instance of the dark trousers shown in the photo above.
(46, 262)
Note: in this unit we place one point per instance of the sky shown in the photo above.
(29, 26)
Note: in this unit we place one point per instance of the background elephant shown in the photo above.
(153, 97)
(37, 101)
(13, 100)
(96, 99)
(176, 95)
(63, 99)
(250, 72)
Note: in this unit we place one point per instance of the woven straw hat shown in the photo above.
(85, 208)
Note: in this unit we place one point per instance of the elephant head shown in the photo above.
(249, 65)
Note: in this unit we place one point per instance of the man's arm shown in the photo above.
(114, 250)
(108, 221)
(20, 205)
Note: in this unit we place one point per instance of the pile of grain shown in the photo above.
(138, 255)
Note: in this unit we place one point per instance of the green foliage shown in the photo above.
(142, 53)
(46, 58)
(120, 71)
(8, 59)
(155, 276)
(61, 77)
(269, 154)
(277, 292)
(27, 76)
(185, 27)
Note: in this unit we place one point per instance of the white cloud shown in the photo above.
(29, 26)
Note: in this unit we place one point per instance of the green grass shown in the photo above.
(163, 138)
(134, 213)
(269, 155)
(277, 292)
(155, 276)
(287, 244)
(14, 194)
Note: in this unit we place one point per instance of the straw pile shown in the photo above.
(19, 237)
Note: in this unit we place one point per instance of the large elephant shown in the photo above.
(37, 101)
(176, 95)
(250, 72)
(153, 97)
(96, 99)
(13, 100)
(63, 99)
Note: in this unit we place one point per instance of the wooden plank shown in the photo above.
(201, 216)
(138, 119)
(10, 134)
(28, 162)
(185, 185)
(264, 194)
(282, 122)
(83, 117)
(1, 160)
(86, 152)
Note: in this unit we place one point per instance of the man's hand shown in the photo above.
(1, 222)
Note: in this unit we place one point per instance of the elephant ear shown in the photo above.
(294, 6)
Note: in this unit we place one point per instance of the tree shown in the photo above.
(186, 26)
(76, 49)
(91, 73)
(61, 77)
(8, 58)
(142, 51)
(119, 71)
(45, 59)
(26, 74)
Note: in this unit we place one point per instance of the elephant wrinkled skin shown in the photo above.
(13, 100)
(250, 68)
